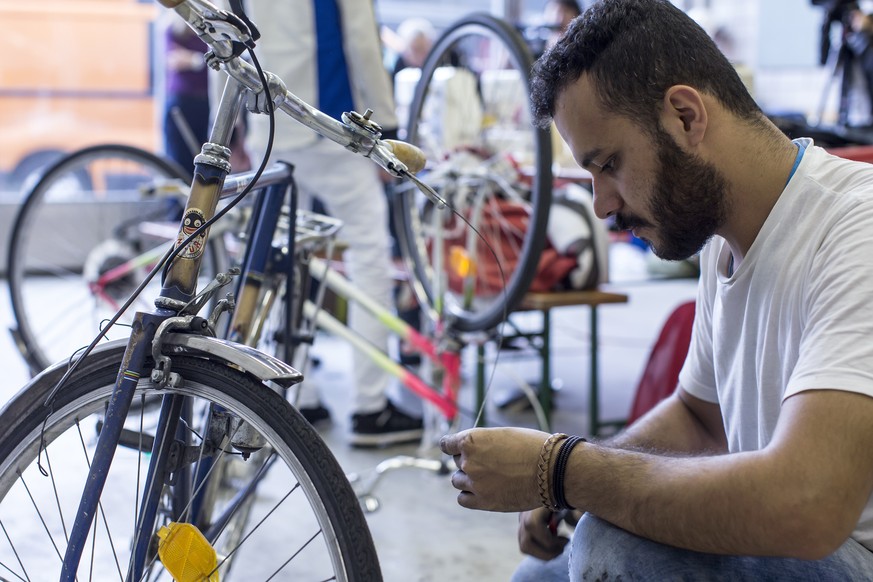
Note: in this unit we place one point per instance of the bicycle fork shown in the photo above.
(133, 364)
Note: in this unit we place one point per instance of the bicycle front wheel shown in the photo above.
(303, 521)
(87, 233)
(471, 115)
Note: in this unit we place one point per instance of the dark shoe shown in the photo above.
(315, 414)
(389, 426)
(409, 358)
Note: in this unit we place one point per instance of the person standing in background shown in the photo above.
(559, 13)
(554, 20)
(412, 43)
(186, 106)
(329, 54)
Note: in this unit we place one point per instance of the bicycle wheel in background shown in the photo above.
(470, 113)
(87, 233)
(302, 523)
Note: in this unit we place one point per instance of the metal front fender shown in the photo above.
(263, 366)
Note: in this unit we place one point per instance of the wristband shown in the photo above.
(560, 501)
(544, 469)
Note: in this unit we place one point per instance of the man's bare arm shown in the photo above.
(680, 424)
(801, 496)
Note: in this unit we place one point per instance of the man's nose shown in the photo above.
(606, 199)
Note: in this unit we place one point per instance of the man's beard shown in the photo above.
(688, 203)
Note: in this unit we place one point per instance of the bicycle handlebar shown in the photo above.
(220, 30)
(409, 154)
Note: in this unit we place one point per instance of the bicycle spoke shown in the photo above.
(244, 496)
(17, 557)
(258, 525)
(35, 506)
(294, 555)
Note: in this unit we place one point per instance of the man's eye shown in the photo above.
(608, 166)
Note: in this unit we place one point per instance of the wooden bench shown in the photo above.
(544, 303)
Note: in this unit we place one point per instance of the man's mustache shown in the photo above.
(629, 222)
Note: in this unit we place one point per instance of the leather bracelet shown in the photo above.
(544, 467)
(561, 460)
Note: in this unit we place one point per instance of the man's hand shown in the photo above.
(497, 467)
(536, 535)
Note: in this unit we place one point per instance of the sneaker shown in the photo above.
(315, 414)
(409, 358)
(389, 426)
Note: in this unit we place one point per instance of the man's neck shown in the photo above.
(757, 171)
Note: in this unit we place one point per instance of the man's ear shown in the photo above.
(684, 115)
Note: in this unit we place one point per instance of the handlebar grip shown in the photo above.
(171, 3)
(407, 153)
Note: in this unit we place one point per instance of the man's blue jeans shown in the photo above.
(601, 551)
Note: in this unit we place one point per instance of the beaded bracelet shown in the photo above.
(560, 501)
(544, 466)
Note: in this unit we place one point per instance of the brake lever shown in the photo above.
(236, 7)
(228, 34)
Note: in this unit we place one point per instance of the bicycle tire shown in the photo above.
(320, 499)
(101, 187)
(500, 61)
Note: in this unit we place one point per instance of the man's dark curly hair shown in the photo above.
(634, 50)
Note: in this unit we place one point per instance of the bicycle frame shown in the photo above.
(446, 358)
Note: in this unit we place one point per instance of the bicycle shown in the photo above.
(221, 426)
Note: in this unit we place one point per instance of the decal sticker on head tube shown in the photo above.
(193, 220)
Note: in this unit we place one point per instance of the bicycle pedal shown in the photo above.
(186, 553)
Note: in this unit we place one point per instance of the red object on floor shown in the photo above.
(661, 373)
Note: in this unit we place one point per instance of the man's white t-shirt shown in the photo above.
(797, 314)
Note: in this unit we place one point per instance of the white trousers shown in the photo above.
(350, 188)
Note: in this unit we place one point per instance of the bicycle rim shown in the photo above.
(87, 233)
(470, 113)
(303, 523)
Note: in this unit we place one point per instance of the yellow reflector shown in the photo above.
(186, 554)
(460, 262)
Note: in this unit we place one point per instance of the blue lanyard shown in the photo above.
(801, 148)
